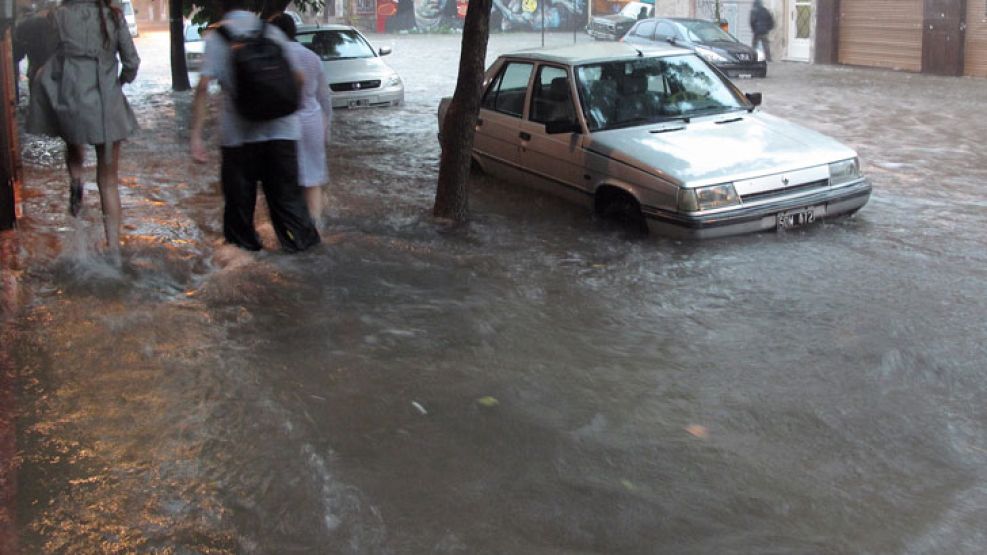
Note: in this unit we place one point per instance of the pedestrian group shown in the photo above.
(77, 95)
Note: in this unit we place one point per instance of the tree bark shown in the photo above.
(179, 71)
(459, 125)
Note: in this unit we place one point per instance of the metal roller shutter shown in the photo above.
(975, 55)
(881, 33)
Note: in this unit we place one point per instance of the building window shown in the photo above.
(366, 7)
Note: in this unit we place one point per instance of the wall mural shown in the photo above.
(507, 15)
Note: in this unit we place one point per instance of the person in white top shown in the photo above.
(252, 151)
(315, 113)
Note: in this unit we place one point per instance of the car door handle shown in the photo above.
(524, 136)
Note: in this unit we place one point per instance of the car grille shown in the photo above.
(800, 188)
(743, 57)
(602, 27)
(355, 86)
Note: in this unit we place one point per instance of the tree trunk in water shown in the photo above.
(459, 125)
(179, 71)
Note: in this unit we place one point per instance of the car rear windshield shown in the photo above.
(337, 45)
(648, 90)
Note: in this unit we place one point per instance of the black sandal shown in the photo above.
(75, 198)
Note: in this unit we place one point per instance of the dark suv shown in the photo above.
(706, 39)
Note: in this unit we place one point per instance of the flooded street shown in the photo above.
(543, 383)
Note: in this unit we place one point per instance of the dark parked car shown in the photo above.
(614, 26)
(706, 39)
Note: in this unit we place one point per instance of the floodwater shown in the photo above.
(541, 383)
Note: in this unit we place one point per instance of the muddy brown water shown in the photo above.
(543, 382)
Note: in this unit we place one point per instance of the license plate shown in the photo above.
(794, 218)
(359, 103)
(744, 75)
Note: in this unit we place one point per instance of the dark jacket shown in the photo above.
(761, 20)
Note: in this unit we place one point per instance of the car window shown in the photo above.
(647, 90)
(551, 99)
(645, 29)
(337, 44)
(665, 31)
(506, 93)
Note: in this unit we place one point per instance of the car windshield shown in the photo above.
(337, 45)
(192, 33)
(632, 9)
(704, 31)
(648, 90)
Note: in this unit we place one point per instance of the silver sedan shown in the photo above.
(660, 137)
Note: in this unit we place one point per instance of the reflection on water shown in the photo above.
(541, 383)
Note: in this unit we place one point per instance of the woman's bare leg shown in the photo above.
(109, 193)
(74, 157)
(313, 198)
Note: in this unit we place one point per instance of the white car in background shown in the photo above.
(130, 16)
(657, 137)
(195, 47)
(357, 74)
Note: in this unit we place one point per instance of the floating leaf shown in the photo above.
(488, 401)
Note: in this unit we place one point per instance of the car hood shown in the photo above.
(195, 47)
(357, 69)
(718, 149)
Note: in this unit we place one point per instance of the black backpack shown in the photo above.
(265, 83)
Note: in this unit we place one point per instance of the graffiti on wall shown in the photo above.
(507, 15)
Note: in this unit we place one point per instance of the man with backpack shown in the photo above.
(258, 127)
(761, 24)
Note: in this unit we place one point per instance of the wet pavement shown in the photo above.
(542, 383)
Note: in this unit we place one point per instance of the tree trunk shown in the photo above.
(179, 71)
(452, 192)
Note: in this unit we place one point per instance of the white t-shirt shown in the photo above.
(217, 64)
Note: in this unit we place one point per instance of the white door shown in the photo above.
(799, 30)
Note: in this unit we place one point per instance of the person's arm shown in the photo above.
(324, 97)
(199, 105)
(213, 62)
(129, 60)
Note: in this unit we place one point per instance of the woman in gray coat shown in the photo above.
(77, 96)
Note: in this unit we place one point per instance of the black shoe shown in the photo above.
(75, 198)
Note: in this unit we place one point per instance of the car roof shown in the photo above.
(578, 54)
(328, 27)
(685, 20)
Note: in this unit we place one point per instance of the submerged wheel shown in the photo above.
(621, 207)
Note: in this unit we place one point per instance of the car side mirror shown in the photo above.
(672, 40)
(384, 50)
(754, 98)
(562, 126)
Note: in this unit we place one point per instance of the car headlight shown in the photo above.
(760, 55)
(709, 55)
(394, 80)
(844, 171)
(707, 198)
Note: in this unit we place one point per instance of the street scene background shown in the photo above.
(544, 382)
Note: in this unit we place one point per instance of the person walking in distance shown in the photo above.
(77, 95)
(315, 112)
(761, 24)
(258, 135)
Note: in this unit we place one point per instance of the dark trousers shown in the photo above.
(766, 42)
(275, 165)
